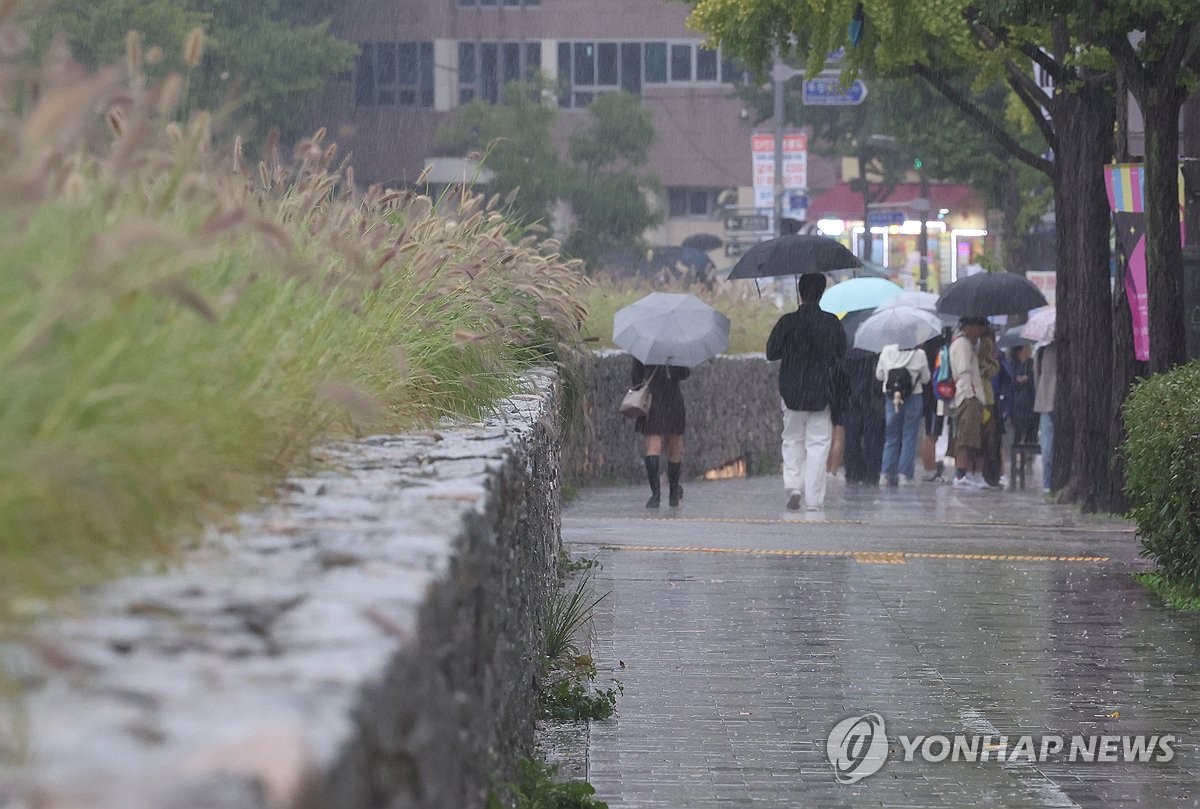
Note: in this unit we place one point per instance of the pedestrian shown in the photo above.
(862, 418)
(809, 342)
(995, 389)
(934, 414)
(663, 427)
(904, 374)
(968, 402)
(1043, 404)
(1024, 419)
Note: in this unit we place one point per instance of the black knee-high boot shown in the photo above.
(676, 491)
(652, 477)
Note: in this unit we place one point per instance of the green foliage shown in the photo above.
(569, 611)
(537, 789)
(1174, 595)
(264, 62)
(622, 130)
(608, 199)
(571, 699)
(272, 67)
(1162, 475)
(514, 138)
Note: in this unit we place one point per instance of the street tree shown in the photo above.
(514, 139)
(598, 177)
(939, 40)
(265, 66)
(607, 194)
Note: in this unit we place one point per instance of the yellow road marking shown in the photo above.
(1041, 528)
(865, 557)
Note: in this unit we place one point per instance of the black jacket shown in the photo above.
(810, 342)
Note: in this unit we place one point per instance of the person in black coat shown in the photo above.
(664, 424)
(862, 416)
(810, 343)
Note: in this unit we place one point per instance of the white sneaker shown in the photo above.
(963, 483)
(978, 482)
(905, 480)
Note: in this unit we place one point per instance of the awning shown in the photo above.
(840, 202)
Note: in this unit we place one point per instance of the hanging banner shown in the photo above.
(1126, 186)
(1126, 183)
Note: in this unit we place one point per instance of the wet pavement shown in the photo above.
(743, 633)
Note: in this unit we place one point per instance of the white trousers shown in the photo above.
(806, 438)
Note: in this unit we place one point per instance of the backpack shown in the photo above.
(898, 385)
(943, 379)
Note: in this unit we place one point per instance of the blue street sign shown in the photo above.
(828, 92)
(881, 219)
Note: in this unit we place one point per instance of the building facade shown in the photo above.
(423, 58)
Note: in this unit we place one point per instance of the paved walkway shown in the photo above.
(743, 633)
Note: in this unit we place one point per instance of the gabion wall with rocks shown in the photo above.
(733, 413)
(371, 640)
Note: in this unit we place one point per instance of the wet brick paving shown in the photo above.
(945, 612)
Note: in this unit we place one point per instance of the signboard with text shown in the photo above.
(795, 172)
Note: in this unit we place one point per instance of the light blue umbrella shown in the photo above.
(666, 328)
(858, 293)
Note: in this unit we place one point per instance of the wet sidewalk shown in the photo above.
(743, 633)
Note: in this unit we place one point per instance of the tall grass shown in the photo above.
(751, 318)
(178, 327)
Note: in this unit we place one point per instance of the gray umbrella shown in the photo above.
(905, 326)
(666, 328)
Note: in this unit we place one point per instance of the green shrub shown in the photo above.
(1162, 476)
(571, 698)
(537, 789)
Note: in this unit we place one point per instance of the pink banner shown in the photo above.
(1126, 183)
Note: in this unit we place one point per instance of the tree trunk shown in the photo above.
(1083, 405)
(1161, 103)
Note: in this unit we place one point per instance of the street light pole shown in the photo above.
(923, 236)
(778, 79)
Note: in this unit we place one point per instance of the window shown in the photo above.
(394, 74)
(683, 201)
(588, 68)
(485, 67)
(681, 63)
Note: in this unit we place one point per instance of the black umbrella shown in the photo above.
(990, 293)
(852, 320)
(793, 255)
(702, 241)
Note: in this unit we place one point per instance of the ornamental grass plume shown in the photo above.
(177, 327)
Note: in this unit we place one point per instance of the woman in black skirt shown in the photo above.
(665, 421)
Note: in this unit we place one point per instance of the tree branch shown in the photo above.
(986, 123)
(1037, 104)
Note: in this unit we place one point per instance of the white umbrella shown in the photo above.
(666, 328)
(1040, 326)
(917, 300)
(905, 326)
(926, 301)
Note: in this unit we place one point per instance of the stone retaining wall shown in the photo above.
(733, 412)
(369, 641)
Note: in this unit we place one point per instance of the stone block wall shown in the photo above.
(371, 640)
(733, 412)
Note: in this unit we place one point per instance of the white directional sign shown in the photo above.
(827, 92)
